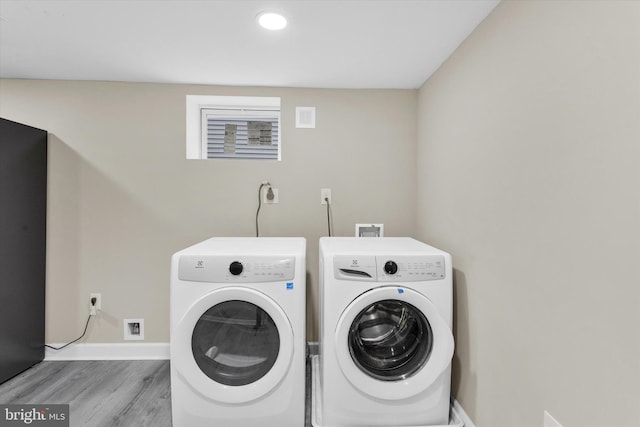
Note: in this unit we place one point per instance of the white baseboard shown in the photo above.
(463, 415)
(109, 351)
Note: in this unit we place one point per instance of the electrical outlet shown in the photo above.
(325, 193)
(269, 198)
(549, 421)
(98, 305)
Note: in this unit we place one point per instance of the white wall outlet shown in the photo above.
(98, 305)
(325, 193)
(269, 197)
(133, 329)
(549, 421)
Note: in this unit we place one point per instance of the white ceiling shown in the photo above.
(327, 44)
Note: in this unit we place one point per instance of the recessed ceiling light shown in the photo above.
(272, 21)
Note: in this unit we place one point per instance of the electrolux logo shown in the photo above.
(34, 415)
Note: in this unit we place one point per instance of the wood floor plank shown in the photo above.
(130, 393)
(99, 393)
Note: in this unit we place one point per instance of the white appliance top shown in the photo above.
(248, 246)
(376, 245)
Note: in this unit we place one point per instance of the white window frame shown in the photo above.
(196, 147)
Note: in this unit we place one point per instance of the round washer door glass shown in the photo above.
(390, 340)
(235, 343)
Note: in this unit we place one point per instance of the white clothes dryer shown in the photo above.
(385, 333)
(238, 345)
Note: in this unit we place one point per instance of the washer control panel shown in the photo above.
(410, 268)
(228, 268)
(392, 268)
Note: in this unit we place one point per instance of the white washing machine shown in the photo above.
(385, 333)
(238, 344)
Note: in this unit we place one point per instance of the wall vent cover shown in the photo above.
(305, 117)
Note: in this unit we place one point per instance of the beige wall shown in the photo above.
(122, 197)
(529, 174)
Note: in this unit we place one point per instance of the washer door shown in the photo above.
(392, 343)
(234, 345)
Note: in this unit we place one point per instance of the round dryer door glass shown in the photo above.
(390, 340)
(235, 343)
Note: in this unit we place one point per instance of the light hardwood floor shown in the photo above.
(102, 393)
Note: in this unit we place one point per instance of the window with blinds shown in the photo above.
(240, 134)
(233, 127)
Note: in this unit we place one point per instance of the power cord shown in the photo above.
(260, 204)
(329, 216)
(86, 325)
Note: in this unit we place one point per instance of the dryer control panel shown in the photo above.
(392, 268)
(229, 268)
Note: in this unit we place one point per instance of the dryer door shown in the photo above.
(234, 345)
(392, 343)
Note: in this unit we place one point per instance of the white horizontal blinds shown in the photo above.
(242, 134)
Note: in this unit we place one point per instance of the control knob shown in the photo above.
(390, 267)
(236, 268)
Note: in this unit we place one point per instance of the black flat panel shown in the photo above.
(23, 207)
